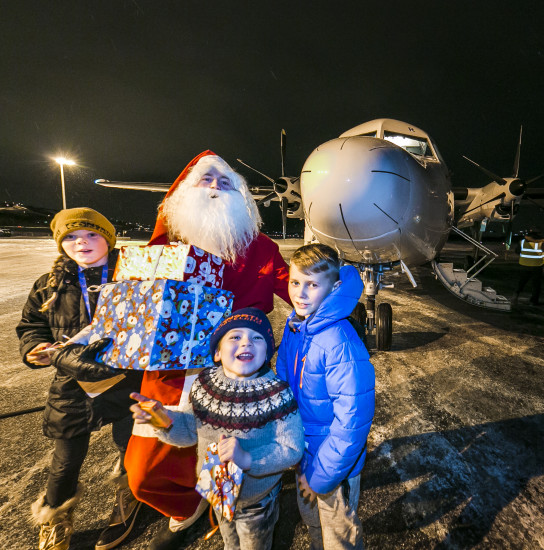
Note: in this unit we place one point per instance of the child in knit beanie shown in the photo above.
(250, 414)
(72, 220)
(60, 304)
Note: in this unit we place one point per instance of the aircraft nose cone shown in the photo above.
(356, 188)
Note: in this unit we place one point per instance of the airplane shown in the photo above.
(381, 195)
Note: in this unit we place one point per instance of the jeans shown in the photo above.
(253, 526)
(68, 458)
(332, 519)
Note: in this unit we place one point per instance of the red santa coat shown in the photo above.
(162, 475)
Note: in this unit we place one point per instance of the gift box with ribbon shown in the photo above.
(219, 483)
(160, 324)
(180, 262)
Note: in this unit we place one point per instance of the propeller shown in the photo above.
(516, 187)
(282, 188)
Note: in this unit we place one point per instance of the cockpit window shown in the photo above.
(370, 134)
(415, 145)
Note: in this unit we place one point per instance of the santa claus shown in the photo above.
(210, 206)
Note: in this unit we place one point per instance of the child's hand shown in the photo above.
(140, 415)
(37, 355)
(230, 450)
(305, 489)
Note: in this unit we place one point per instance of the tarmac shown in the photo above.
(456, 454)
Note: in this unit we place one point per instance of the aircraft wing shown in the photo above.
(135, 185)
(259, 193)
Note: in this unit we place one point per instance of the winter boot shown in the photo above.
(56, 524)
(122, 518)
(171, 536)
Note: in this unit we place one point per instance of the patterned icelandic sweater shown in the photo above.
(260, 412)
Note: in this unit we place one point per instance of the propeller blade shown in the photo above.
(269, 197)
(502, 195)
(516, 162)
(283, 142)
(540, 207)
(537, 193)
(508, 241)
(493, 176)
(528, 182)
(284, 217)
(251, 168)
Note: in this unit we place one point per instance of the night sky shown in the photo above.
(133, 89)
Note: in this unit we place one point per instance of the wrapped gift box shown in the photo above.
(219, 483)
(160, 324)
(179, 262)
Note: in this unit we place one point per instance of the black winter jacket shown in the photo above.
(69, 411)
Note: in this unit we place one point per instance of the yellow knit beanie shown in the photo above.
(73, 219)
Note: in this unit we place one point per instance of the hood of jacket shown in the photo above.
(338, 304)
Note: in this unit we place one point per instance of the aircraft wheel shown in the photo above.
(384, 327)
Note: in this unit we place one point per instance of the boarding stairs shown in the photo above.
(464, 285)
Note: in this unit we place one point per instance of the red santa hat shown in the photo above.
(160, 228)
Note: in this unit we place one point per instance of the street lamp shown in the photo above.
(62, 161)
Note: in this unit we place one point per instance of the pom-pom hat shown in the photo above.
(74, 219)
(249, 317)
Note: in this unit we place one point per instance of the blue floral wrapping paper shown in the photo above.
(160, 324)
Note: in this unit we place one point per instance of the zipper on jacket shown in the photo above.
(301, 370)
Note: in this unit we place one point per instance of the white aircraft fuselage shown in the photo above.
(379, 194)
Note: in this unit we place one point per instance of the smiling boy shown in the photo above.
(328, 369)
(253, 417)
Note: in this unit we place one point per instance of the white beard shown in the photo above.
(221, 222)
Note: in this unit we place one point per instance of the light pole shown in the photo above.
(62, 161)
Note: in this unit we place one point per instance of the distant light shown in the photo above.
(63, 160)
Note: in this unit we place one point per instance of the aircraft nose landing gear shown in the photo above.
(371, 317)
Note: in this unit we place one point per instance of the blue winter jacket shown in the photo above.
(328, 368)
